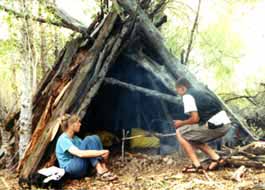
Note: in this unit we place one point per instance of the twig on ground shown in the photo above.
(239, 173)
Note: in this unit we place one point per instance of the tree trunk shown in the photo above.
(26, 85)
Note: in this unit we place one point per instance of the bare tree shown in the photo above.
(26, 83)
(195, 25)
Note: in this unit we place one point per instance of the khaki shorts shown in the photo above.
(201, 133)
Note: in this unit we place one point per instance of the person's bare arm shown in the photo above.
(87, 153)
(193, 119)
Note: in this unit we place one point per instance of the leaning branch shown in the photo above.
(43, 20)
(147, 92)
(249, 98)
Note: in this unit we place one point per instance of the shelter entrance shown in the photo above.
(115, 108)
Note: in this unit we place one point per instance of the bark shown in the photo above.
(26, 86)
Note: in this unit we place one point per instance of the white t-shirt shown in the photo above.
(190, 106)
(189, 103)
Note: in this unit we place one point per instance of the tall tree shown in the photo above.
(26, 83)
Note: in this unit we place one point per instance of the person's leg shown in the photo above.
(79, 167)
(93, 143)
(102, 170)
(208, 150)
(97, 140)
(209, 135)
(189, 149)
(217, 160)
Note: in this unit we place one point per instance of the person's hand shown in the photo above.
(105, 155)
(177, 123)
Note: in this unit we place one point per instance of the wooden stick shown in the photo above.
(239, 173)
(61, 94)
(122, 145)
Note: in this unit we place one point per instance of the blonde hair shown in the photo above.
(68, 120)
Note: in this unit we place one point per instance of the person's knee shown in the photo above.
(178, 134)
(96, 138)
(89, 139)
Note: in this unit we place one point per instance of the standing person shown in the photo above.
(76, 156)
(206, 122)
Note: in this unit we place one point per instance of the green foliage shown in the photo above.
(221, 47)
(10, 48)
(215, 47)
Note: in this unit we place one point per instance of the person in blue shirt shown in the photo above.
(76, 156)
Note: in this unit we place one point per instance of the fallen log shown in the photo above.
(245, 156)
(247, 163)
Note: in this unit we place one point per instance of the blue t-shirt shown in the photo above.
(63, 144)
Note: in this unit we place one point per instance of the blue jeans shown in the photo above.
(78, 167)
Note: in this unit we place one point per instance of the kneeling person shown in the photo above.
(207, 122)
(76, 156)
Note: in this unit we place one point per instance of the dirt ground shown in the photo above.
(145, 172)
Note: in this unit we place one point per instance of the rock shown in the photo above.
(170, 162)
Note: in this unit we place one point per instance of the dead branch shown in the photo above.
(195, 25)
(69, 21)
(249, 98)
(251, 155)
(64, 24)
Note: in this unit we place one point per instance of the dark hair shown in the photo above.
(68, 120)
(183, 82)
